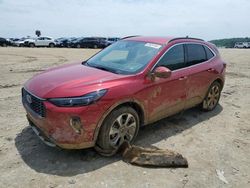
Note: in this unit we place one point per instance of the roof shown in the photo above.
(158, 40)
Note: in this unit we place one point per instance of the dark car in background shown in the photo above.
(73, 42)
(64, 42)
(4, 42)
(90, 42)
(111, 40)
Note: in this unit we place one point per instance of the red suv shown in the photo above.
(103, 101)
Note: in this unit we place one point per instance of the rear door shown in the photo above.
(200, 72)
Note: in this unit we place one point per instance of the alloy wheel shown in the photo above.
(122, 129)
(213, 97)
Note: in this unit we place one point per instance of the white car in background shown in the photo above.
(22, 42)
(242, 45)
(41, 42)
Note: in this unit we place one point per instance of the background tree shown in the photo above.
(38, 33)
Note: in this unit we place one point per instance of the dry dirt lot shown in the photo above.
(218, 140)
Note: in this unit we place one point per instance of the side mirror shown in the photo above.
(162, 72)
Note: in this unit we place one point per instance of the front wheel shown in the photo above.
(51, 45)
(213, 96)
(32, 45)
(120, 125)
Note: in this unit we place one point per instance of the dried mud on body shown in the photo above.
(213, 142)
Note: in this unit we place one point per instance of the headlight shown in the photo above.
(79, 101)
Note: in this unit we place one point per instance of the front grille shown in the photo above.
(33, 102)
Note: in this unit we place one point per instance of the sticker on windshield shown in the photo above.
(152, 45)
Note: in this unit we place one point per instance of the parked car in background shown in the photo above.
(90, 42)
(62, 42)
(41, 42)
(19, 42)
(111, 40)
(4, 42)
(136, 81)
(72, 42)
(242, 45)
(13, 40)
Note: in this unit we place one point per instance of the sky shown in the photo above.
(205, 19)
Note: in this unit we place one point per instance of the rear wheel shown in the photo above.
(213, 96)
(120, 125)
(78, 46)
(4, 45)
(95, 46)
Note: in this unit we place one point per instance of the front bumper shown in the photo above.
(55, 130)
(41, 135)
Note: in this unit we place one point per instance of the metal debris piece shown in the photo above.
(151, 157)
(220, 174)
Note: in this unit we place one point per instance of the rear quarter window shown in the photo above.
(209, 53)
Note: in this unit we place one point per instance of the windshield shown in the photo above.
(125, 57)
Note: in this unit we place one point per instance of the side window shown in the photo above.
(196, 54)
(174, 58)
(208, 52)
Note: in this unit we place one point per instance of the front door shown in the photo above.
(40, 41)
(166, 96)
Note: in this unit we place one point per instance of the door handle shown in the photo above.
(210, 70)
(183, 78)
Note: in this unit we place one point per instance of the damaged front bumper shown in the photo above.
(41, 135)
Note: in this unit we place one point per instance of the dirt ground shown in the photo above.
(212, 141)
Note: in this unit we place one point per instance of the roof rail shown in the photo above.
(178, 38)
(130, 36)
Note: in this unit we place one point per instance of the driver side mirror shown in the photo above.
(162, 72)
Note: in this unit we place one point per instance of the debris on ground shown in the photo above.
(220, 174)
(151, 157)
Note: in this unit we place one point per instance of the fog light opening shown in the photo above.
(75, 123)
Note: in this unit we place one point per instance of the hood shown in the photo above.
(69, 81)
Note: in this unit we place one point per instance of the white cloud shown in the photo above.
(205, 19)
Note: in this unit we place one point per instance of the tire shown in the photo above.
(4, 45)
(120, 125)
(78, 46)
(95, 46)
(212, 97)
(51, 45)
(32, 45)
(21, 45)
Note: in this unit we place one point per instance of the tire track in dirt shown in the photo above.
(9, 86)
